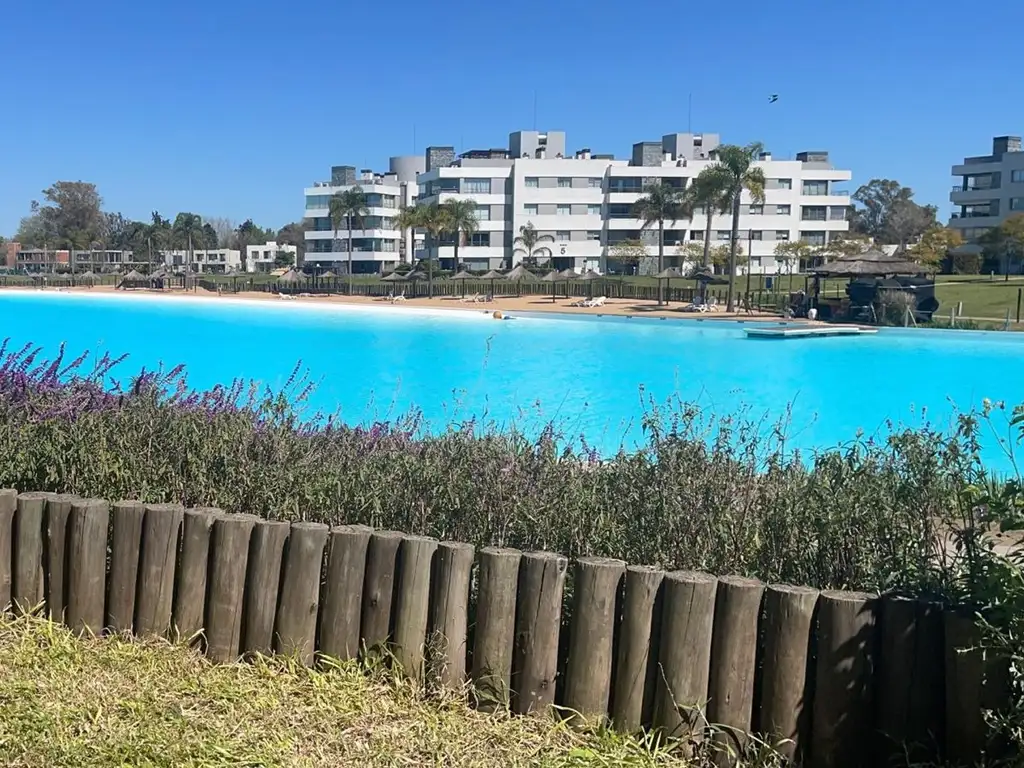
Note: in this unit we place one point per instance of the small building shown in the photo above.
(263, 258)
(217, 261)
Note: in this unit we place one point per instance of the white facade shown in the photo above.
(583, 205)
(262, 258)
(215, 262)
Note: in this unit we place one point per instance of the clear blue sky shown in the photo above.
(230, 108)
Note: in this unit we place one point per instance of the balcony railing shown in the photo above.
(973, 215)
(962, 188)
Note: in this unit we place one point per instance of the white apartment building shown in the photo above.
(212, 262)
(377, 246)
(991, 188)
(583, 204)
(262, 258)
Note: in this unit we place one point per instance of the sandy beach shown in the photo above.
(505, 305)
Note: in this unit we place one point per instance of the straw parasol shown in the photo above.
(520, 275)
(553, 278)
(493, 276)
(463, 277)
(291, 276)
(869, 264)
(590, 277)
(394, 277)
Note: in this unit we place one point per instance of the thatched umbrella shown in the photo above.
(463, 277)
(88, 277)
(590, 277)
(667, 275)
(134, 277)
(520, 275)
(494, 275)
(291, 276)
(869, 264)
(553, 278)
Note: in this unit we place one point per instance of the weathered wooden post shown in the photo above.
(685, 653)
(734, 661)
(785, 707)
(378, 588)
(55, 547)
(8, 503)
(633, 693)
(161, 531)
(190, 592)
(449, 612)
(412, 603)
(262, 582)
(27, 584)
(965, 674)
(87, 564)
(843, 732)
(341, 611)
(295, 628)
(588, 673)
(495, 626)
(538, 622)
(125, 545)
(229, 554)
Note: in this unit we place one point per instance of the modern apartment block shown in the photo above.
(99, 261)
(583, 204)
(263, 258)
(218, 261)
(991, 188)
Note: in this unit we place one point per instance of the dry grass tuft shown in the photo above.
(67, 701)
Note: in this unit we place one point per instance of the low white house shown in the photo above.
(217, 262)
(262, 258)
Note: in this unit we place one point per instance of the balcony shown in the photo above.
(973, 215)
(962, 188)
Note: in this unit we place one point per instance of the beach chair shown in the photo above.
(470, 299)
(713, 305)
(697, 305)
(398, 298)
(598, 302)
(579, 303)
(485, 299)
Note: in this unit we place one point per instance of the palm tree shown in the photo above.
(188, 227)
(736, 170)
(708, 192)
(408, 218)
(348, 206)
(433, 219)
(661, 203)
(462, 221)
(529, 243)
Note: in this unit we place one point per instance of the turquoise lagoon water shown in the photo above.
(586, 373)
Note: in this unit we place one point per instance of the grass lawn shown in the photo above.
(72, 702)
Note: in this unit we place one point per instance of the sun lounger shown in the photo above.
(399, 297)
(596, 302)
(470, 299)
(579, 303)
(484, 299)
(713, 305)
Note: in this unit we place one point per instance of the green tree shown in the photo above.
(908, 221)
(628, 253)
(530, 243)
(709, 192)
(35, 231)
(294, 233)
(935, 245)
(884, 210)
(1005, 242)
(736, 172)
(72, 213)
(348, 206)
(462, 221)
(284, 259)
(659, 204)
(432, 219)
(789, 251)
(187, 231)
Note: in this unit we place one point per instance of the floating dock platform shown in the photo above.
(805, 331)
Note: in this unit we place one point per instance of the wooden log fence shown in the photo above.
(831, 678)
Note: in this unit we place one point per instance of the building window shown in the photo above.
(594, 182)
(531, 181)
(476, 186)
(530, 209)
(756, 209)
(563, 210)
(696, 234)
(723, 234)
(480, 239)
(564, 183)
(755, 234)
(782, 210)
(594, 210)
(1017, 203)
(837, 213)
(1017, 177)
(781, 184)
(483, 213)
(812, 238)
(815, 187)
(594, 234)
(782, 234)
(620, 211)
(626, 184)
(317, 201)
(813, 213)
(562, 235)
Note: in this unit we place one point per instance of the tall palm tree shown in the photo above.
(661, 203)
(433, 219)
(462, 221)
(737, 172)
(188, 227)
(408, 220)
(348, 206)
(529, 243)
(709, 192)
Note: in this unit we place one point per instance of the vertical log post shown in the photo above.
(843, 721)
(588, 673)
(633, 691)
(229, 554)
(27, 584)
(295, 627)
(58, 513)
(161, 532)
(965, 673)
(449, 613)
(8, 504)
(262, 582)
(125, 543)
(785, 708)
(343, 593)
(87, 564)
(734, 661)
(190, 589)
(495, 626)
(685, 653)
(538, 621)
(412, 603)
(378, 588)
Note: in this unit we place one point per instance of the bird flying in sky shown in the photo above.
(773, 98)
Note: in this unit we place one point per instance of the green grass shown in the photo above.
(67, 701)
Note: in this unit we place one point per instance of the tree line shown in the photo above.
(70, 216)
